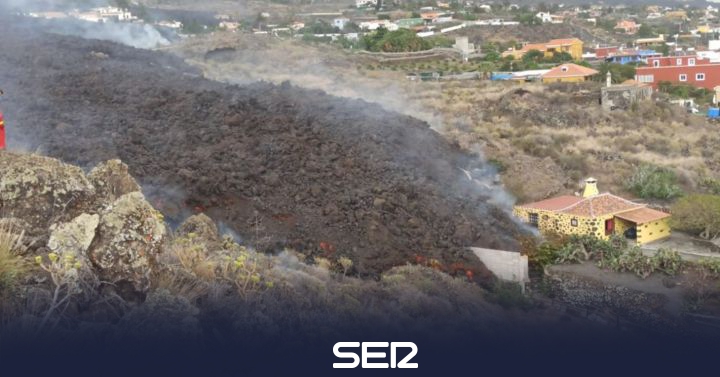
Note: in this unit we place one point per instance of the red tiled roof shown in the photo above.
(570, 70)
(554, 204)
(642, 215)
(600, 205)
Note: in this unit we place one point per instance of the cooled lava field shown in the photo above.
(282, 166)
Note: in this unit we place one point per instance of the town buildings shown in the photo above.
(688, 69)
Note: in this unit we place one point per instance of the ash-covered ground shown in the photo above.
(282, 166)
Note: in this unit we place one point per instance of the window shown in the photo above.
(656, 63)
(700, 77)
(683, 77)
(573, 222)
(691, 61)
(678, 61)
(533, 219)
(646, 78)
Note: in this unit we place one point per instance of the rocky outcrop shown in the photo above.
(199, 227)
(112, 180)
(128, 241)
(42, 191)
(102, 219)
(74, 237)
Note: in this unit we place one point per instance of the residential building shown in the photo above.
(365, 3)
(596, 214)
(679, 15)
(229, 25)
(546, 17)
(644, 42)
(408, 23)
(463, 44)
(572, 46)
(626, 56)
(340, 22)
(627, 26)
(375, 24)
(569, 72)
(604, 52)
(689, 69)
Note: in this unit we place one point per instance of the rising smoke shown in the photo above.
(135, 35)
(138, 35)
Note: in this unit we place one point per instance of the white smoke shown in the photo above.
(135, 35)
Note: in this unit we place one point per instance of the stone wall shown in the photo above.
(609, 304)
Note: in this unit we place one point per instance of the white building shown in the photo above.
(229, 25)
(374, 25)
(340, 22)
(544, 17)
(365, 3)
(105, 14)
(170, 24)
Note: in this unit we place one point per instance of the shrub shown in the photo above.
(12, 266)
(509, 295)
(711, 265)
(653, 182)
(668, 261)
(633, 260)
(699, 214)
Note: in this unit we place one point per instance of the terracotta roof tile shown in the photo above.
(600, 205)
(554, 204)
(642, 215)
(570, 70)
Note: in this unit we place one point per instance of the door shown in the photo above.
(609, 226)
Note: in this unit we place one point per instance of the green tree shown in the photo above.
(645, 31)
(699, 214)
(402, 40)
(533, 56)
(653, 182)
(619, 72)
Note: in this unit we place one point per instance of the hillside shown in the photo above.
(280, 165)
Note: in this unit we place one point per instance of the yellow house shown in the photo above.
(704, 29)
(572, 46)
(596, 214)
(677, 15)
(568, 72)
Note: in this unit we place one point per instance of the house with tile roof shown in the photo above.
(572, 46)
(596, 214)
(569, 72)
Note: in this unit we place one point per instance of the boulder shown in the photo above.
(129, 238)
(201, 227)
(74, 237)
(42, 191)
(112, 180)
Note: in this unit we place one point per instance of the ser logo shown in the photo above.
(366, 354)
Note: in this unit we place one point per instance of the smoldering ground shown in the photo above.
(378, 186)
